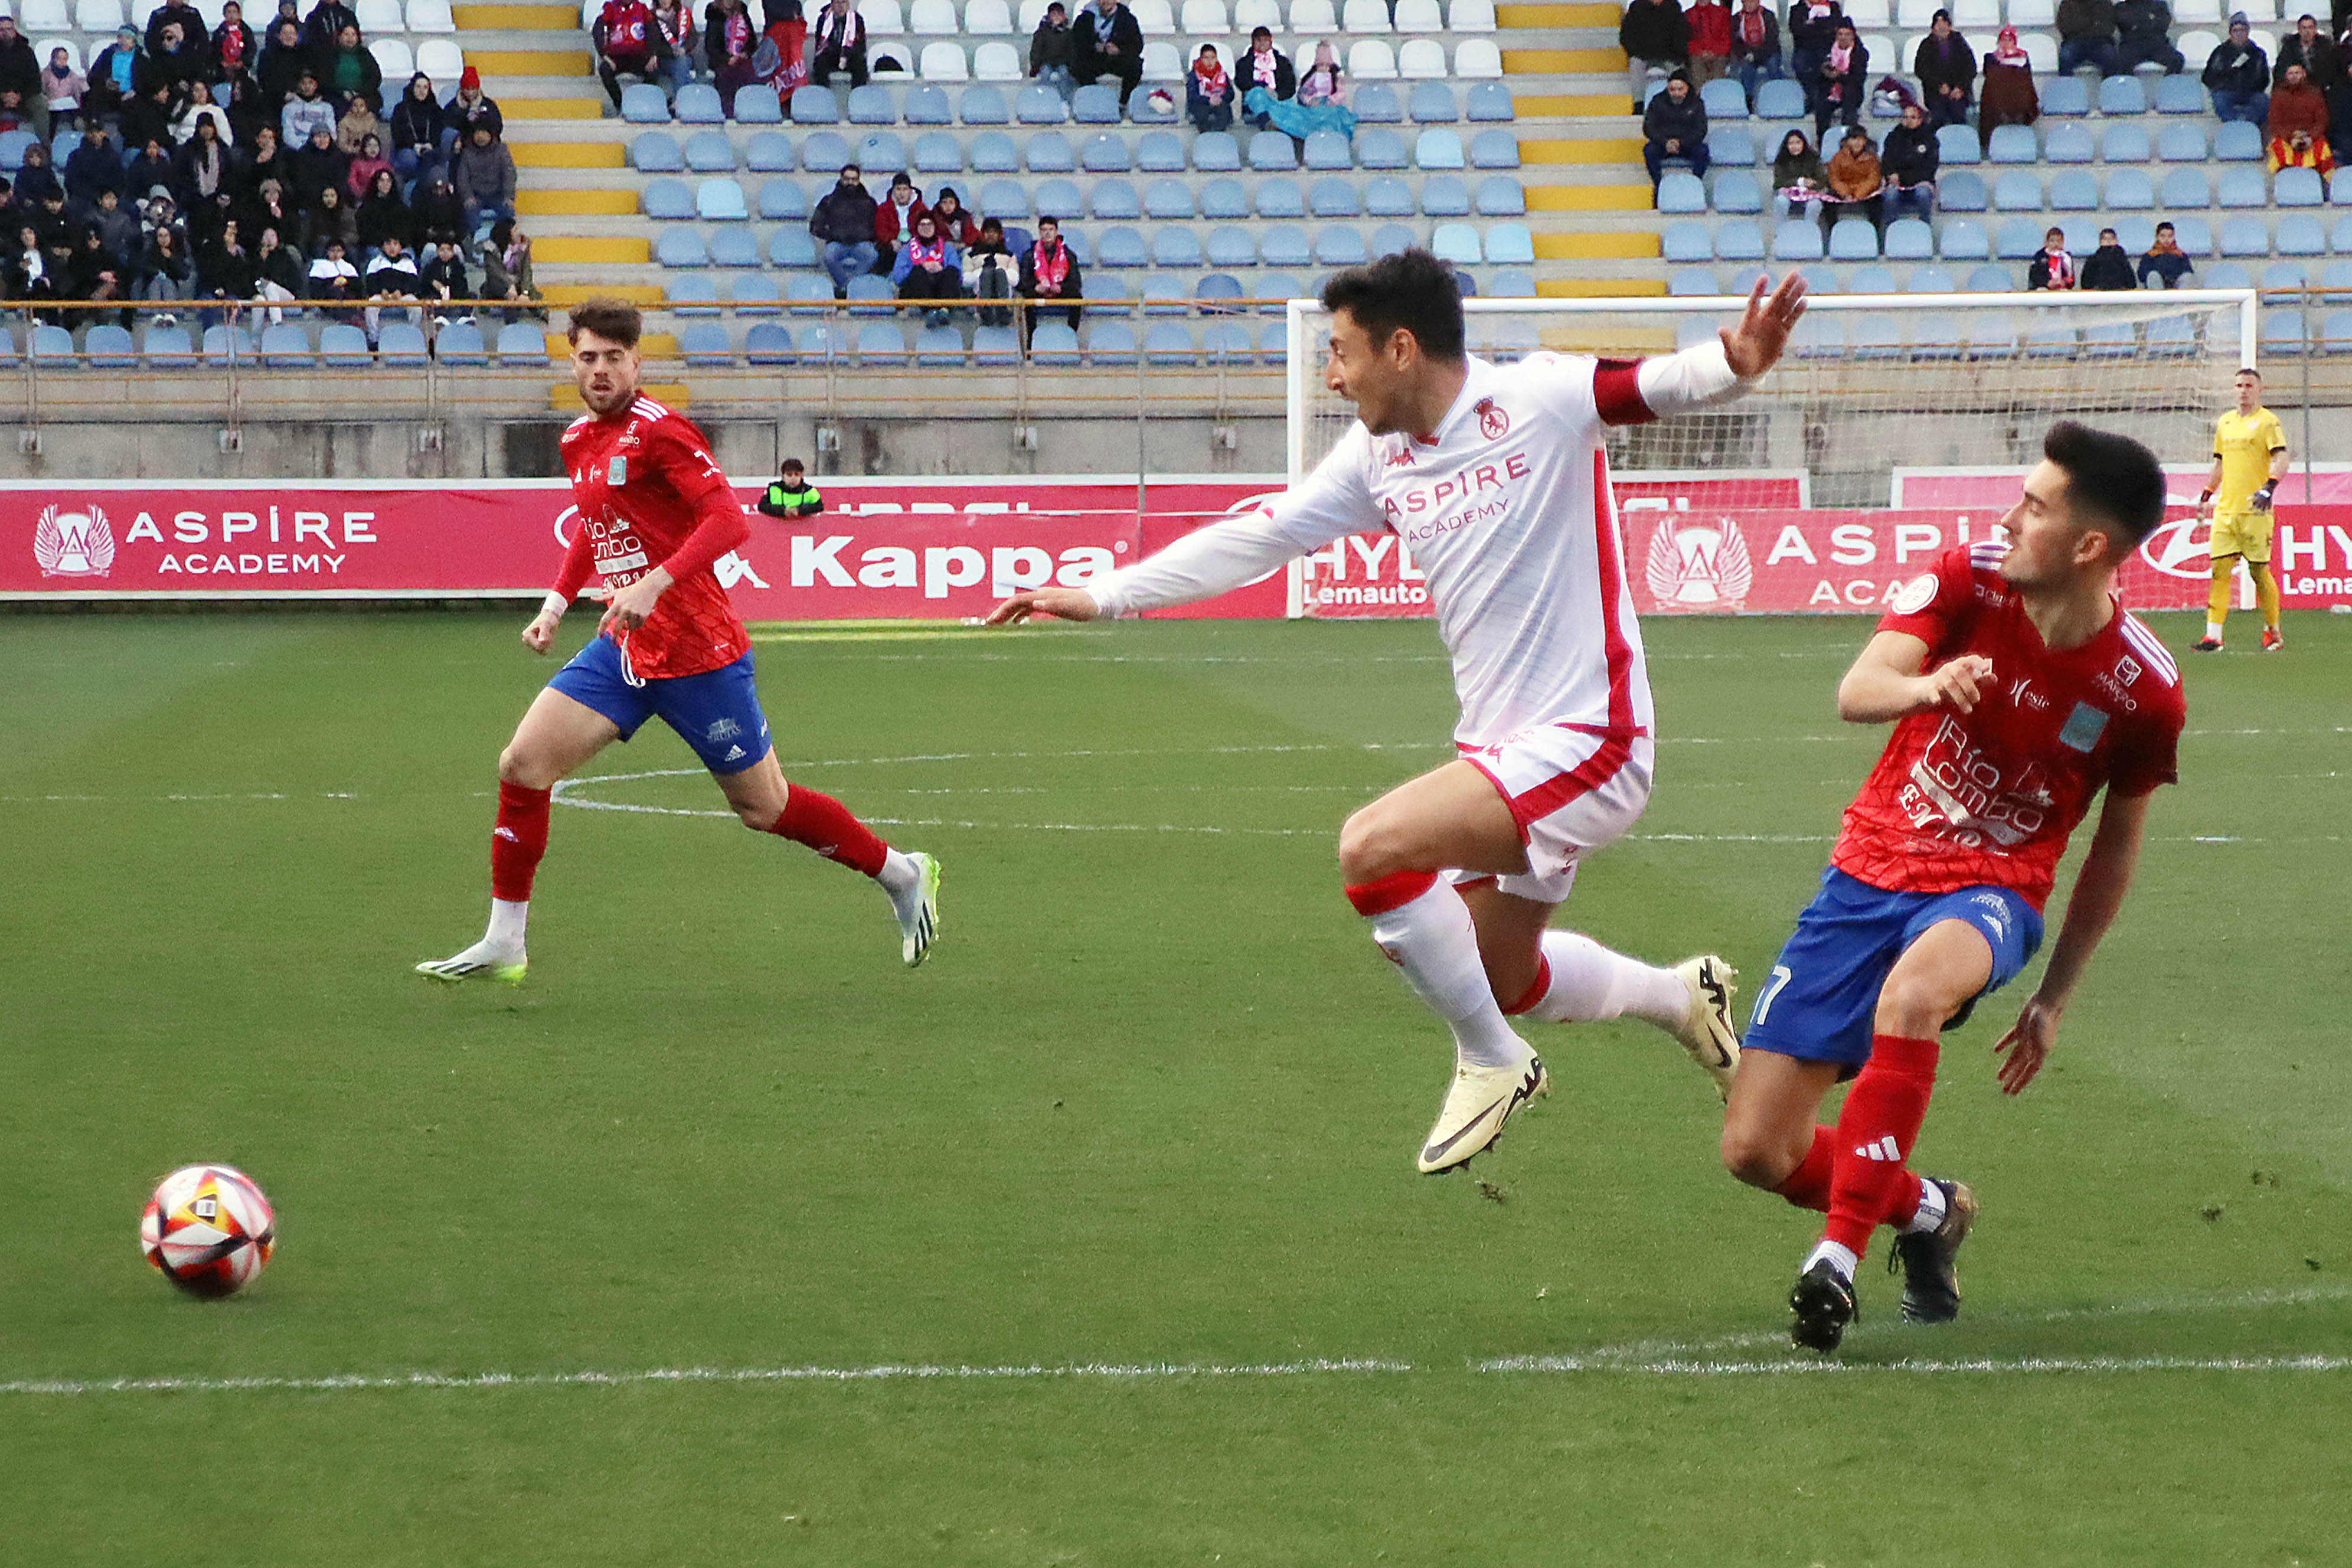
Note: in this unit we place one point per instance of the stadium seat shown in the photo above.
(1376, 147)
(1333, 198)
(1375, 103)
(1048, 153)
(1909, 239)
(2122, 95)
(1438, 148)
(2181, 141)
(2073, 191)
(1231, 246)
(1930, 280)
(2195, 235)
(2017, 192)
(1963, 239)
(1223, 199)
(1340, 244)
(734, 246)
(1724, 99)
(2186, 188)
(642, 103)
(983, 105)
(782, 201)
(1120, 247)
(460, 344)
(2298, 188)
(808, 294)
(1216, 151)
(1110, 343)
(107, 346)
(1271, 152)
(2237, 142)
(1055, 344)
(1113, 201)
(2069, 143)
(872, 104)
(1739, 239)
(823, 152)
(1852, 240)
(1692, 283)
(769, 152)
(2130, 190)
(1990, 279)
(655, 152)
(2299, 233)
(343, 345)
(2284, 276)
(1104, 154)
(1957, 147)
(1488, 102)
(697, 104)
(720, 201)
(928, 105)
(993, 153)
(666, 200)
(1444, 195)
(1962, 191)
(2125, 144)
(880, 151)
(705, 343)
(430, 16)
(2012, 144)
(2336, 333)
(1477, 60)
(1688, 242)
(2244, 234)
(1820, 335)
(769, 342)
(1328, 149)
(1739, 191)
(2064, 95)
(2336, 278)
(936, 152)
(1372, 59)
(1456, 243)
(1176, 245)
(1431, 103)
(792, 247)
(1871, 279)
(1782, 99)
(755, 293)
(1726, 144)
(2018, 238)
(2227, 275)
(1167, 201)
(681, 248)
(1284, 246)
(1681, 192)
(2182, 94)
(1036, 105)
(2241, 188)
(284, 345)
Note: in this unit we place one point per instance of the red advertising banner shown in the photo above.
(951, 549)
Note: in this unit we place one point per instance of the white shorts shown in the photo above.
(1570, 789)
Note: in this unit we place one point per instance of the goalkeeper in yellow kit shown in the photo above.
(2249, 460)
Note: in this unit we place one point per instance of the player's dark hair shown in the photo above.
(1410, 291)
(2248, 370)
(2111, 477)
(792, 464)
(616, 320)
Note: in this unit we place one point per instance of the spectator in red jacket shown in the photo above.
(1710, 40)
(628, 42)
(896, 216)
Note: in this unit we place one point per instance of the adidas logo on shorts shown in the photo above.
(1884, 1149)
(734, 755)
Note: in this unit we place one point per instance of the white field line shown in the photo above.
(1653, 1358)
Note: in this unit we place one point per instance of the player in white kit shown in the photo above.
(1494, 478)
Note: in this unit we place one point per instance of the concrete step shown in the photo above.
(645, 295)
(592, 250)
(533, 62)
(1557, 62)
(518, 18)
(1518, 18)
(520, 111)
(1599, 246)
(539, 201)
(571, 154)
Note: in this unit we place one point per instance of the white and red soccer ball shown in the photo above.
(208, 1230)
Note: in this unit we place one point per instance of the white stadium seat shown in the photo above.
(944, 62)
(1370, 59)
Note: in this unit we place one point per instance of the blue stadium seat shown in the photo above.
(824, 152)
(1444, 195)
(1326, 150)
(1851, 239)
(2238, 142)
(2122, 95)
(2013, 144)
(1059, 198)
(1094, 104)
(1105, 154)
(1048, 153)
(880, 343)
(1120, 247)
(109, 347)
(695, 294)
(1110, 343)
(1870, 279)
(1724, 99)
(1736, 240)
(940, 347)
(1227, 342)
(2282, 334)
(2135, 231)
(1176, 245)
(1937, 337)
(1055, 343)
(1456, 243)
(398, 344)
(2336, 333)
(1115, 200)
(1962, 191)
(996, 347)
(1037, 105)
(1874, 336)
(1780, 100)
(1167, 201)
(642, 103)
(2299, 233)
(2073, 191)
(1387, 196)
(1692, 283)
(1375, 103)
(1493, 149)
(1219, 285)
(697, 104)
(2181, 142)
(790, 247)
(993, 153)
(1687, 242)
(2187, 188)
(2284, 276)
(872, 105)
(818, 344)
(1680, 192)
(1820, 335)
(2245, 234)
(1990, 279)
(881, 151)
(755, 293)
(1956, 146)
(1499, 196)
(705, 343)
(1277, 286)
(2194, 234)
(681, 248)
(928, 105)
(1271, 152)
(1216, 151)
(1487, 101)
(1963, 239)
(1511, 283)
(720, 201)
(2018, 238)
(2241, 188)
(1225, 199)
(809, 294)
(709, 152)
(769, 152)
(2130, 190)
(655, 152)
(1726, 144)
(1007, 200)
(2069, 144)
(2182, 94)
(758, 109)
(734, 246)
(1988, 334)
(1378, 147)
(2064, 95)
(2228, 275)
(981, 104)
(1739, 191)
(1160, 152)
(1280, 199)
(667, 199)
(770, 342)
(2298, 188)
(1431, 103)
(2017, 192)
(1340, 244)
(1909, 239)
(2336, 277)
(1930, 280)
(1333, 198)
(1797, 239)
(1438, 148)
(1231, 247)
(284, 346)
(936, 152)
(1284, 246)
(2125, 144)
(459, 343)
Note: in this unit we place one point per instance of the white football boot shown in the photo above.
(485, 960)
(1706, 1031)
(1477, 1103)
(918, 910)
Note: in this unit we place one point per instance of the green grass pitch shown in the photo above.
(1153, 1106)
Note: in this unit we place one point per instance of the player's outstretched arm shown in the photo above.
(2097, 898)
(1886, 683)
(1062, 603)
(1755, 345)
(1201, 565)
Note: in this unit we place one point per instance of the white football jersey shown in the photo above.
(1507, 508)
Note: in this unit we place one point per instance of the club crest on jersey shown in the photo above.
(73, 543)
(616, 472)
(1700, 566)
(1493, 423)
(2083, 728)
(1913, 596)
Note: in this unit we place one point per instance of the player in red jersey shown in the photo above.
(655, 514)
(2019, 689)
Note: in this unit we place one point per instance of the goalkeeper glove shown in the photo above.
(2261, 500)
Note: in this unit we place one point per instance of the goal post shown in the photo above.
(1902, 416)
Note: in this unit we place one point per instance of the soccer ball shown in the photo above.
(208, 1229)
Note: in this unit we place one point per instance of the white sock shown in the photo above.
(1588, 984)
(1931, 1210)
(1840, 1257)
(897, 876)
(2212, 631)
(508, 919)
(1433, 943)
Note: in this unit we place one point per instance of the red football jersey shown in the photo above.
(1962, 800)
(650, 494)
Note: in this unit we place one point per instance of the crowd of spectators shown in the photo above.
(937, 255)
(226, 169)
(2302, 102)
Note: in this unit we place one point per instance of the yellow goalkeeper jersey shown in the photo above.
(2244, 443)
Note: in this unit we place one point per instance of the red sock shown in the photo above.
(517, 841)
(827, 826)
(1875, 1135)
(1808, 1185)
(1535, 992)
(1393, 891)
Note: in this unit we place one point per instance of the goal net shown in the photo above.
(1893, 429)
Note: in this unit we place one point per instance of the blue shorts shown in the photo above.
(1819, 1002)
(715, 712)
